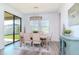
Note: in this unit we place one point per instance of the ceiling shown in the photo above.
(36, 7)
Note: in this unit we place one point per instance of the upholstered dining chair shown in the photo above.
(21, 38)
(27, 38)
(48, 41)
(36, 38)
(44, 41)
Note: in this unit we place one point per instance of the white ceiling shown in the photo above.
(42, 7)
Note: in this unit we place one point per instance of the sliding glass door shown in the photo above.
(17, 29)
(8, 28)
(12, 28)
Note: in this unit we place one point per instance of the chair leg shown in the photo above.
(20, 44)
(32, 43)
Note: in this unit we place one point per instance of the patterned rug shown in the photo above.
(34, 50)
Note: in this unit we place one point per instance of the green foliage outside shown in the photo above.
(11, 36)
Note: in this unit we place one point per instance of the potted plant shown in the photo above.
(67, 32)
(35, 31)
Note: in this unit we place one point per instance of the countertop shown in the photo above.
(70, 37)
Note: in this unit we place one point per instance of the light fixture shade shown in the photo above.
(36, 18)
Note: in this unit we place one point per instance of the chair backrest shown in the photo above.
(21, 34)
(49, 37)
(41, 33)
(26, 36)
(36, 37)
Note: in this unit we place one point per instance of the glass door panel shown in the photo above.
(17, 28)
(8, 28)
(12, 28)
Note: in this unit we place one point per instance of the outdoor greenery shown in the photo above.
(11, 36)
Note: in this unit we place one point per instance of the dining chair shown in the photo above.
(21, 38)
(44, 37)
(24, 39)
(36, 38)
(27, 38)
(48, 41)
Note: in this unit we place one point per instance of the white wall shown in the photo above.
(1, 26)
(75, 27)
(4, 7)
(53, 23)
(64, 15)
(64, 20)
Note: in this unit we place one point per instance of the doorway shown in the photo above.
(12, 28)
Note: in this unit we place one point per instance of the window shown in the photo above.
(40, 25)
(34, 25)
(45, 26)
